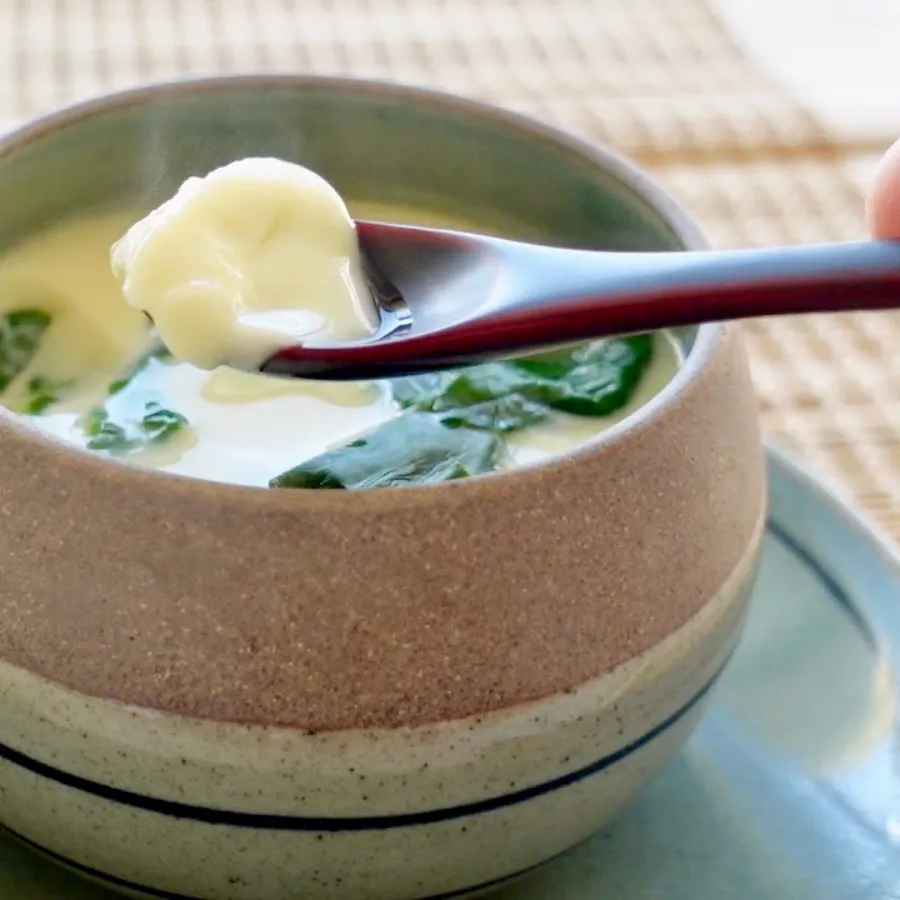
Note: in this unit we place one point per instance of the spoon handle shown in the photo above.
(556, 296)
(594, 296)
(548, 296)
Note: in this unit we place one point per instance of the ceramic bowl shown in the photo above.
(231, 693)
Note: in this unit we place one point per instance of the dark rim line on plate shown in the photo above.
(826, 579)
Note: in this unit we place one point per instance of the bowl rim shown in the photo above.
(628, 174)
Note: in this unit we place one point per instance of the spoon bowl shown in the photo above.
(453, 298)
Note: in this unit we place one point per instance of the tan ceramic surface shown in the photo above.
(345, 610)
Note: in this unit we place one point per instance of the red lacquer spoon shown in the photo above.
(450, 298)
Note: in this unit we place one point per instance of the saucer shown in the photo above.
(789, 789)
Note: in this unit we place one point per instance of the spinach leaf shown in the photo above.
(21, 332)
(420, 391)
(466, 387)
(128, 421)
(159, 424)
(510, 413)
(415, 448)
(42, 392)
(594, 379)
(155, 426)
(102, 433)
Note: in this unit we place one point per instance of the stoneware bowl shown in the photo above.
(238, 694)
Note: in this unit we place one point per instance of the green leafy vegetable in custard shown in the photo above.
(42, 392)
(511, 412)
(593, 379)
(159, 424)
(415, 448)
(102, 433)
(154, 426)
(131, 419)
(21, 332)
(452, 421)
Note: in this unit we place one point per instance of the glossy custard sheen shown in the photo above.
(86, 366)
(257, 255)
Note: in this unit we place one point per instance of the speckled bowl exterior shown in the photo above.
(226, 693)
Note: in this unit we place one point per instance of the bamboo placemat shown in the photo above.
(763, 116)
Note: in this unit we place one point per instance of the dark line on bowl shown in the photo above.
(284, 822)
(825, 578)
(115, 881)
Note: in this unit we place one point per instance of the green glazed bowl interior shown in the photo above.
(373, 145)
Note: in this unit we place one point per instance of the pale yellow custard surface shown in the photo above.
(243, 428)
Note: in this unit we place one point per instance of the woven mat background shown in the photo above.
(701, 91)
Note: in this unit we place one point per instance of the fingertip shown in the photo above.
(883, 200)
